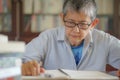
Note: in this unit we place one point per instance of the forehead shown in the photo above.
(77, 16)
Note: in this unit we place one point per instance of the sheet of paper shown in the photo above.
(74, 75)
(89, 75)
(48, 75)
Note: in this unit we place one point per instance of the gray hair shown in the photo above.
(87, 6)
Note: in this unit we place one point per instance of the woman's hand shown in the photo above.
(32, 68)
(118, 73)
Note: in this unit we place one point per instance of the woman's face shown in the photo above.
(77, 26)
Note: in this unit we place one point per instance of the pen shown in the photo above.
(63, 72)
(46, 75)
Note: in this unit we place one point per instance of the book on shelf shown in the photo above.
(99, 6)
(6, 25)
(28, 6)
(103, 24)
(41, 23)
(5, 6)
(105, 6)
(9, 5)
(49, 6)
(34, 23)
(37, 6)
(52, 6)
(71, 74)
(1, 7)
(108, 6)
(47, 22)
(1, 21)
(27, 23)
(32, 6)
(58, 21)
(5, 22)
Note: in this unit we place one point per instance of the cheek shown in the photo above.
(83, 34)
(68, 32)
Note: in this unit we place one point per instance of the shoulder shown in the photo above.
(46, 36)
(51, 33)
(103, 38)
(98, 34)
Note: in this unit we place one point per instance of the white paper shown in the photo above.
(74, 75)
(89, 75)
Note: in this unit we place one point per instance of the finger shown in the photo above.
(38, 69)
(37, 66)
(23, 71)
(118, 73)
(34, 72)
(42, 70)
(28, 68)
(35, 63)
(31, 68)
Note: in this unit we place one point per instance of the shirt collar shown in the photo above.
(89, 38)
(61, 34)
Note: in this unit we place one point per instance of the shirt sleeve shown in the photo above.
(36, 49)
(114, 52)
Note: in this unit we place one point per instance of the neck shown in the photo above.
(77, 43)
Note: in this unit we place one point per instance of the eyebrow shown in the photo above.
(77, 21)
(74, 20)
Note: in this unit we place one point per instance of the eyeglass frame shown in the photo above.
(77, 24)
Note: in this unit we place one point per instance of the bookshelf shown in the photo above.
(116, 28)
(44, 14)
(105, 15)
(8, 9)
(5, 16)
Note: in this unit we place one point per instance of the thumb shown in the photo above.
(42, 70)
(118, 73)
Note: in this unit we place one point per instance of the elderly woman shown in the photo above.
(76, 45)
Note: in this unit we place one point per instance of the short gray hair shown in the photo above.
(87, 6)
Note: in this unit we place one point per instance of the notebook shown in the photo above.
(72, 74)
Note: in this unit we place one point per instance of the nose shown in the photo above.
(76, 29)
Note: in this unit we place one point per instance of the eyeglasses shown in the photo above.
(79, 25)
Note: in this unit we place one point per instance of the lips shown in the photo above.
(75, 36)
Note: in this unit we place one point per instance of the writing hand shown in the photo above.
(31, 68)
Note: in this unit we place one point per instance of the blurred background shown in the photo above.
(22, 20)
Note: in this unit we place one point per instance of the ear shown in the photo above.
(94, 23)
(61, 17)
